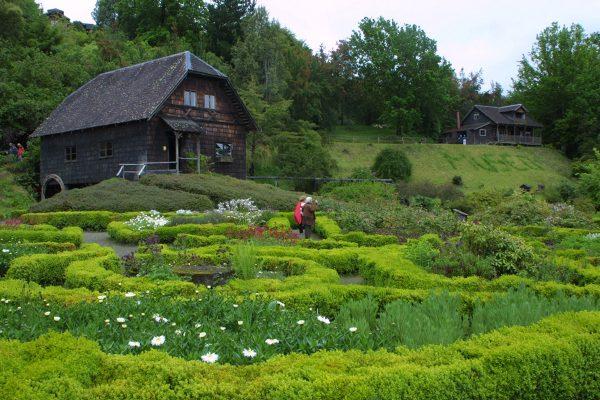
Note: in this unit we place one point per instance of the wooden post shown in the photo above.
(177, 136)
(198, 152)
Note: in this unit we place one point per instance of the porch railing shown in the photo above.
(520, 139)
(134, 171)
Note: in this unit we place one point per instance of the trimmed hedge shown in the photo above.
(120, 232)
(557, 358)
(221, 188)
(49, 269)
(281, 223)
(42, 233)
(365, 239)
(87, 220)
(186, 241)
(326, 227)
(121, 195)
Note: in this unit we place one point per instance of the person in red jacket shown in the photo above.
(20, 151)
(298, 213)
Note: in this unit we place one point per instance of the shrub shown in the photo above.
(279, 223)
(221, 188)
(121, 195)
(589, 181)
(326, 227)
(186, 241)
(9, 252)
(392, 164)
(518, 209)
(40, 233)
(444, 192)
(457, 180)
(365, 239)
(361, 192)
(87, 220)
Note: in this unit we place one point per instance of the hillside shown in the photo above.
(480, 166)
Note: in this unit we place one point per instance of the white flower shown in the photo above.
(57, 318)
(222, 328)
(47, 313)
(120, 320)
(158, 318)
(178, 332)
(157, 341)
(145, 221)
(134, 344)
(249, 353)
(184, 212)
(198, 325)
(280, 304)
(271, 342)
(210, 358)
(123, 326)
(129, 294)
(101, 297)
(353, 329)
(300, 322)
(5, 250)
(235, 306)
(324, 320)
(240, 322)
(174, 324)
(202, 335)
(107, 321)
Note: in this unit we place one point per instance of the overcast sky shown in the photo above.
(490, 35)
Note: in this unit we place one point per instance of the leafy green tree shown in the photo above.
(407, 84)
(392, 164)
(589, 181)
(559, 83)
(224, 24)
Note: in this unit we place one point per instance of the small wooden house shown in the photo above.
(162, 116)
(496, 125)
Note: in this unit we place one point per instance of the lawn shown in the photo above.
(12, 196)
(480, 166)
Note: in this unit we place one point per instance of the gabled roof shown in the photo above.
(130, 94)
(503, 115)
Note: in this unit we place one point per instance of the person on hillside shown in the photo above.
(298, 212)
(309, 217)
(12, 150)
(20, 151)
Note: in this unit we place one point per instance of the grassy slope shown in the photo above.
(482, 166)
(12, 196)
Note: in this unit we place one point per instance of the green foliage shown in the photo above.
(10, 251)
(14, 197)
(88, 220)
(365, 239)
(589, 181)
(244, 261)
(120, 195)
(557, 83)
(41, 233)
(326, 227)
(360, 192)
(392, 164)
(457, 180)
(221, 188)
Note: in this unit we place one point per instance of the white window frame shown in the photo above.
(484, 131)
(223, 145)
(190, 98)
(475, 116)
(210, 102)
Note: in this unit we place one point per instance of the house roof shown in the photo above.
(130, 94)
(503, 115)
(182, 124)
(469, 127)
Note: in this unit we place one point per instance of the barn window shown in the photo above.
(190, 99)
(70, 153)
(224, 152)
(210, 102)
(482, 132)
(475, 116)
(106, 149)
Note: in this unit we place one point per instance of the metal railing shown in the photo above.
(520, 139)
(137, 170)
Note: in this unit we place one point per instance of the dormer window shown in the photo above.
(475, 116)
(189, 99)
(210, 102)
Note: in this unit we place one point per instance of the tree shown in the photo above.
(559, 83)
(589, 181)
(408, 85)
(224, 24)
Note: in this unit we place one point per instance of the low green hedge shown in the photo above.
(326, 227)
(120, 232)
(42, 234)
(557, 358)
(96, 274)
(16, 289)
(49, 269)
(87, 220)
(365, 239)
(326, 244)
(186, 241)
(281, 223)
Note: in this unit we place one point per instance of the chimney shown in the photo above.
(458, 120)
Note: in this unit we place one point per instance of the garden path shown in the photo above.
(103, 239)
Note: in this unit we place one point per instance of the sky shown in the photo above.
(488, 35)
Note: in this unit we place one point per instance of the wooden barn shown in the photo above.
(496, 125)
(169, 115)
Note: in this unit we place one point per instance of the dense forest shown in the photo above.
(384, 73)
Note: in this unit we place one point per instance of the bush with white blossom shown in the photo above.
(147, 221)
(242, 211)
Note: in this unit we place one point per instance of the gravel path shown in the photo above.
(103, 239)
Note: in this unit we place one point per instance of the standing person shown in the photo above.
(309, 216)
(20, 151)
(12, 150)
(298, 212)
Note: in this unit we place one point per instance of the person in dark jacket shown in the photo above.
(309, 217)
(12, 150)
